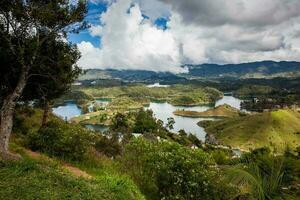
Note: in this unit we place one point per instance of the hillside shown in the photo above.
(44, 178)
(221, 111)
(264, 69)
(275, 129)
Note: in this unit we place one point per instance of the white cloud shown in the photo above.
(199, 31)
(130, 42)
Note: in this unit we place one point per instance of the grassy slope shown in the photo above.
(274, 129)
(42, 179)
(221, 111)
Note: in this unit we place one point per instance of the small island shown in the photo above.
(222, 111)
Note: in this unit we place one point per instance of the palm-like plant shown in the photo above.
(258, 180)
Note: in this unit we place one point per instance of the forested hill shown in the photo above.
(264, 69)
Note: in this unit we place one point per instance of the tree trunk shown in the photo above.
(7, 112)
(45, 114)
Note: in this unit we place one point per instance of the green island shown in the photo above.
(179, 95)
(275, 129)
(222, 111)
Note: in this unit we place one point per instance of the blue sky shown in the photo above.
(93, 18)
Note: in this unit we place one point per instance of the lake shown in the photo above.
(68, 110)
(161, 111)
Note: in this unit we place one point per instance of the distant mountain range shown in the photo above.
(264, 69)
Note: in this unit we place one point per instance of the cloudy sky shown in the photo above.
(163, 35)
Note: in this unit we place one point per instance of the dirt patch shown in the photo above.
(73, 170)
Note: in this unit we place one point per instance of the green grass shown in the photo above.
(46, 179)
(276, 129)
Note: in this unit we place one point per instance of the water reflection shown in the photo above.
(68, 110)
(161, 111)
(99, 128)
(230, 100)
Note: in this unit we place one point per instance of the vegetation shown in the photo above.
(62, 140)
(222, 111)
(176, 94)
(23, 53)
(122, 167)
(275, 129)
(46, 179)
(169, 171)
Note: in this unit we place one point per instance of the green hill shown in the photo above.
(222, 111)
(275, 129)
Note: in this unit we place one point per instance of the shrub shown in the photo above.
(167, 170)
(62, 140)
(109, 146)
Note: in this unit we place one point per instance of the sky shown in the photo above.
(164, 35)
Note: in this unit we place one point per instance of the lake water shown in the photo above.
(157, 85)
(161, 111)
(99, 128)
(68, 110)
(230, 100)
(165, 110)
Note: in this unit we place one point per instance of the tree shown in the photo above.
(54, 75)
(145, 122)
(25, 25)
(120, 123)
(171, 122)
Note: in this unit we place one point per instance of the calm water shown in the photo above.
(67, 111)
(157, 85)
(100, 128)
(161, 111)
(230, 100)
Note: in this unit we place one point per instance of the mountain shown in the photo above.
(129, 75)
(263, 69)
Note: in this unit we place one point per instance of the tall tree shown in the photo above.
(54, 74)
(25, 25)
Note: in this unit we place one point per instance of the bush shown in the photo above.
(109, 146)
(62, 140)
(167, 170)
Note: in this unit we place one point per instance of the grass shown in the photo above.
(276, 129)
(45, 178)
(32, 179)
(221, 111)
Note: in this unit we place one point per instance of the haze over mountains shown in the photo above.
(263, 69)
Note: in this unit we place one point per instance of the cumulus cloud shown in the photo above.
(199, 31)
(130, 42)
